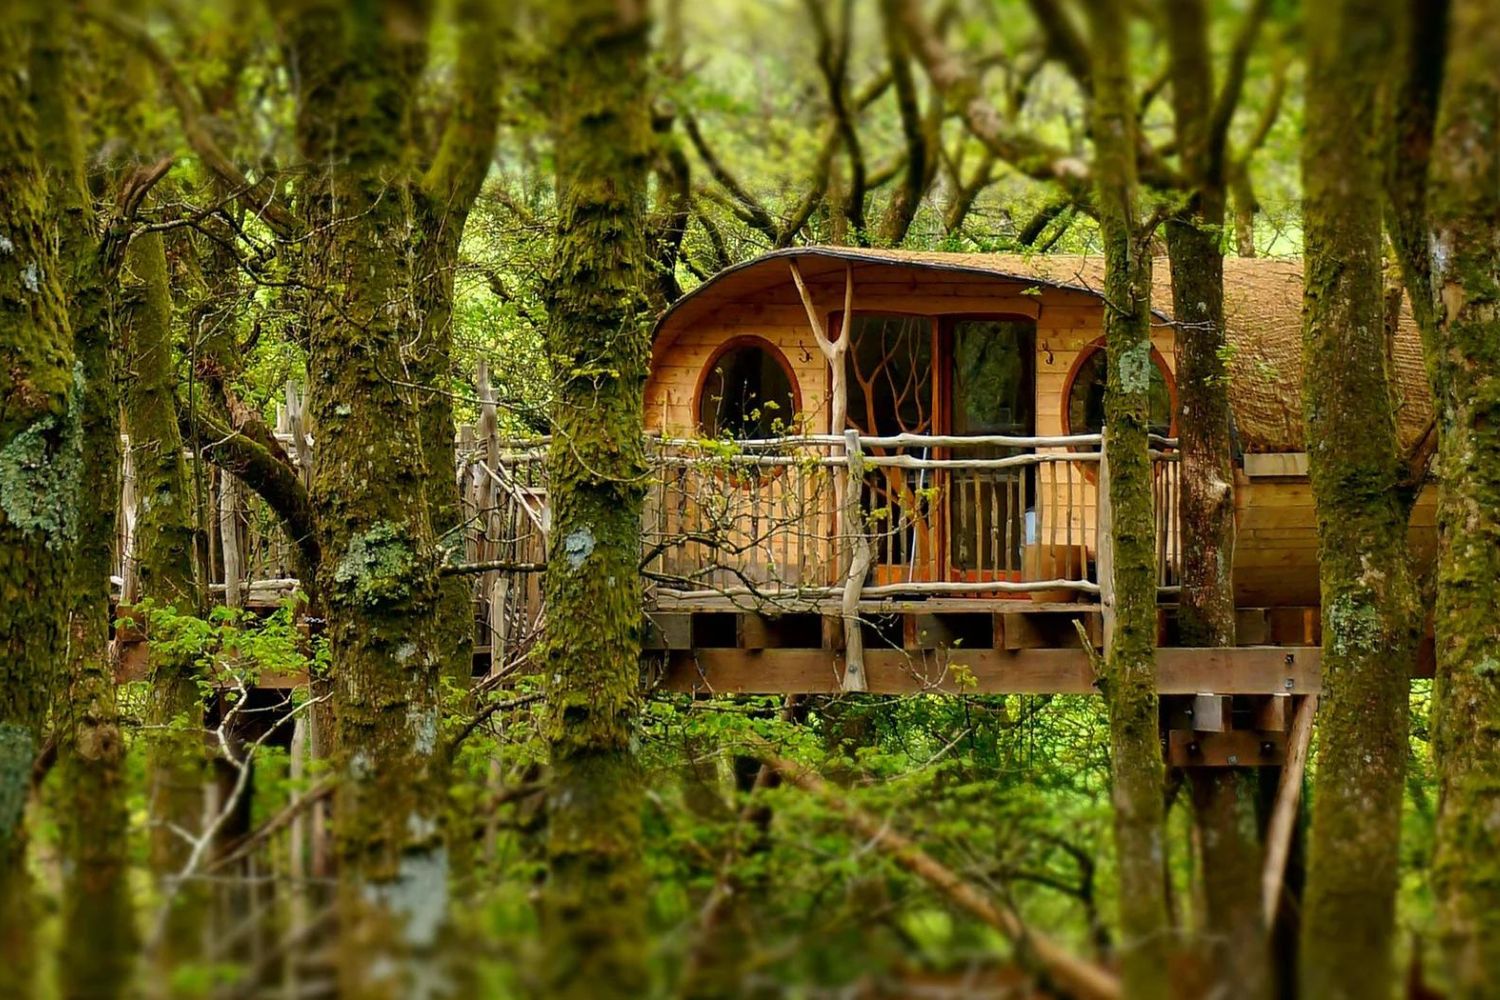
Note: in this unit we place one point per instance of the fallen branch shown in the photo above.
(1081, 978)
(492, 566)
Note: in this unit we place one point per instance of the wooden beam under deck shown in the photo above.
(1180, 671)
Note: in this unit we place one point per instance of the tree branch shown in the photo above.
(1065, 42)
(1079, 977)
(904, 205)
(261, 196)
(273, 481)
(1234, 83)
(753, 212)
(467, 146)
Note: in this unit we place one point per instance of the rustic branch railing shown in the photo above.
(940, 515)
(826, 519)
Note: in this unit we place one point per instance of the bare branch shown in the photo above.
(261, 198)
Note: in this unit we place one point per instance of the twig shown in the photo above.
(489, 710)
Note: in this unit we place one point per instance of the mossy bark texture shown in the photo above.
(1464, 211)
(1369, 604)
(443, 200)
(1130, 667)
(98, 938)
(1231, 926)
(359, 68)
(593, 911)
(163, 554)
(40, 467)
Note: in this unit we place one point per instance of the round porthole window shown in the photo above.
(747, 391)
(1084, 394)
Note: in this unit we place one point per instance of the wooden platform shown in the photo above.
(1247, 670)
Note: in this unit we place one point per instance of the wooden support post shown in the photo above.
(492, 585)
(1284, 813)
(927, 632)
(1199, 713)
(1252, 627)
(229, 538)
(1105, 546)
(1273, 713)
(754, 631)
(859, 564)
(1212, 713)
(296, 848)
(833, 632)
(665, 631)
(129, 586)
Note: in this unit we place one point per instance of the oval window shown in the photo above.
(1085, 393)
(747, 393)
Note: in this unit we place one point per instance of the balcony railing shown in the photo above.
(776, 518)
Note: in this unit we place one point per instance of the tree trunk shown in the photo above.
(1369, 605)
(98, 936)
(163, 553)
(359, 69)
(1223, 801)
(594, 904)
(443, 200)
(40, 472)
(1130, 659)
(1464, 212)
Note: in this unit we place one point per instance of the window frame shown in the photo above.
(732, 344)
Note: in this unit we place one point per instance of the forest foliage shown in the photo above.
(203, 202)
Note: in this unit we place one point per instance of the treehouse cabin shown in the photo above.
(974, 384)
(865, 459)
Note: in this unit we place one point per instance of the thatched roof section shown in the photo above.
(1262, 307)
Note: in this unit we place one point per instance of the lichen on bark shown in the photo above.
(1370, 611)
(593, 909)
(1130, 656)
(88, 791)
(378, 574)
(38, 402)
(1463, 348)
(1231, 928)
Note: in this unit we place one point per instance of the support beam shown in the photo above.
(1182, 671)
(1236, 748)
(1284, 814)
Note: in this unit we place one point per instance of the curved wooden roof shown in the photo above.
(1262, 311)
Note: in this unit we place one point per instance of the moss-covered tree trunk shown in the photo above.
(443, 199)
(1464, 213)
(1369, 606)
(98, 934)
(358, 73)
(162, 560)
(1223, 799)
(1130, 659)
(594, 909)
(40, 471)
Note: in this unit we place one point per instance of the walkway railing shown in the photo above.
(983, 515)
(809, 518)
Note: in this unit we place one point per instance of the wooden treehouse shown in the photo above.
(879, 471)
